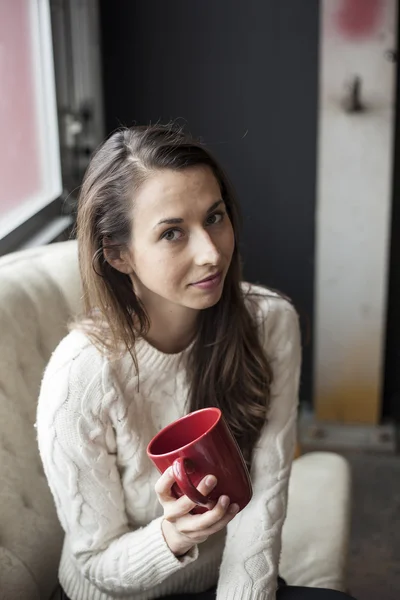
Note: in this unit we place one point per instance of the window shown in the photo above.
(30, 171)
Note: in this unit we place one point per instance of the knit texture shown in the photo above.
(94, 423)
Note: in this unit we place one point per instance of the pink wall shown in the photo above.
(20, 173)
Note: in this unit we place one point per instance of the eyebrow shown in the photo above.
(175, 221)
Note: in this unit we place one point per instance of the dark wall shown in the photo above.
(243, 75)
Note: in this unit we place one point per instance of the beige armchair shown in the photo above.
(39, 292)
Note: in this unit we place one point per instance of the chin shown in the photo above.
(207, 301)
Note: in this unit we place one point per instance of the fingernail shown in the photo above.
(233, 508)
(211, 481)
(224, 501)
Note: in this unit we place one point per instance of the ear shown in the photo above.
(118, 257)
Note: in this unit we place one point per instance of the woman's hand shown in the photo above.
(182, 530)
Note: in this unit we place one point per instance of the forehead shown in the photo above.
(170, 193)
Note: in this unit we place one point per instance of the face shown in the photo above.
(182, 239)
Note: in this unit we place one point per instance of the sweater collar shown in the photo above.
(149, 357)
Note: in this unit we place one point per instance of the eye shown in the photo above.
(172, 235)
(215, 218)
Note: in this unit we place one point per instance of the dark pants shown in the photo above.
(284, 593)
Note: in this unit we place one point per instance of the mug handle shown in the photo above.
(181, 475)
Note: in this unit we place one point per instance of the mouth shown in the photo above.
(209, 282)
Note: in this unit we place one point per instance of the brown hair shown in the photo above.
(226, 366)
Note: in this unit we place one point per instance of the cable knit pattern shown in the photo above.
(250, 563)
(94, 423)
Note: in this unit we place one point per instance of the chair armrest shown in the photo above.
(316, 531)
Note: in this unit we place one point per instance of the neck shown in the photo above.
(172, 327)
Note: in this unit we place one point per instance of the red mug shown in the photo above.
(197, 445)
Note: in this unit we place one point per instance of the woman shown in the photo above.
(169, 328)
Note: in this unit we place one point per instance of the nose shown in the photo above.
(205, 250)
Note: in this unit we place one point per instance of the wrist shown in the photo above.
(174, 541)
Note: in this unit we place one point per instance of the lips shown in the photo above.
(210, 283)
(209, 278)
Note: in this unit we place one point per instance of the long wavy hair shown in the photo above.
(226, 366)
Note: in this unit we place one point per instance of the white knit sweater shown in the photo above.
(93, 427)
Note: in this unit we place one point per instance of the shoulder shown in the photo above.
(269, 307)
(76, 372)
(74, 407)
(274, 315)
(76, 350)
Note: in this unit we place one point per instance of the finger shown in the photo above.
(174, 509)
(203, 522)
(207, 484)
(164, 484)
(229, 516)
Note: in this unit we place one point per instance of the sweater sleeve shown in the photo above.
(249, 568)
(77, 447)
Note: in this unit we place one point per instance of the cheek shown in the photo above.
(159, 269)
(228, 242)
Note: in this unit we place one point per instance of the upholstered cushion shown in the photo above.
(316, 530)
(15, 579)
(39, 291)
